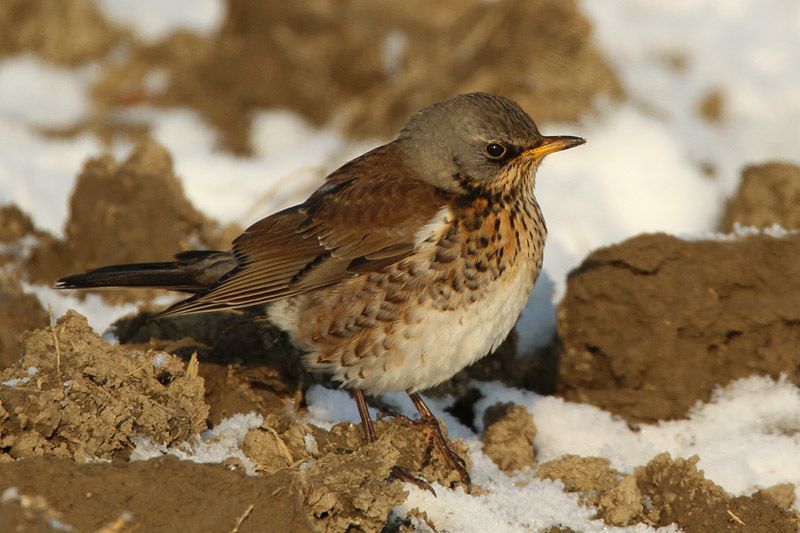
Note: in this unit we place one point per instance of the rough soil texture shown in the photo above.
(671, 491)
(247, 365)
(19, 312)
(508, 436)
(768, 194)
(650, 326)
(65, 33)
(128, 212)
(679, 493)
(615, 495)
(300, 56)
(73, 395)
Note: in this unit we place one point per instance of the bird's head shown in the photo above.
(476, 140)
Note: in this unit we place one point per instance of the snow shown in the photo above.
(26, 92)
(99, 313)
(38, 173)
(743, 437)
(153, 20)
(212, 446)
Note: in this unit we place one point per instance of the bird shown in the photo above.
(409, 263)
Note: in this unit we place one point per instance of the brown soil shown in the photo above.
(14, 224)
(73, 395)
(671, 491)
(19, 312)
(120, 496)
(125, 213)
(712, 106)
(86, 399)
(508, 436)
(65, 33)
(768, 194)
(300, 56)
(247, 365)
(650, 326)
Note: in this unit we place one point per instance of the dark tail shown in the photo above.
(190, 272)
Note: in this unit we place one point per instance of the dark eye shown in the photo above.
(495, 150)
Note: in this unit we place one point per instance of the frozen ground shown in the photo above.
(641, 170)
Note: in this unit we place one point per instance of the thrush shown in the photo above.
(409, 263)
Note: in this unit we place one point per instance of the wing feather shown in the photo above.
(360, 221)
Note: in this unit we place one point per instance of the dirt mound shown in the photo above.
(652, 325)
(65, 33)
(14, 224)
(73, 395)
(671, 491)
(508, 436)
(300, 56)
(768, 194)
(125, 213)
(247, 365)
(19, 312)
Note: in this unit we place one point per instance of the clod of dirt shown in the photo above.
(508, 436)
(279, 442)
(768, 194)
(125, 213)
(616, 496)
(17, 237)
(782, 494)
(19, 312)
(652, 325)
(246, 363)
(712, 106)
(73, 395)
(345, 482)
(679, 493)
(66, 33)
(299, 56)
(14, 224)
(667, 491)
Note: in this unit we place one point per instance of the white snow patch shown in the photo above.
(153, 20)
(743, 435)
(212, 446)
(15, 381)
(40, 94)
(311, 444)
(98, 313)
(38, 174)
(160, 359)
(10, 494)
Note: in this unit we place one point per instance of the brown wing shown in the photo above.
(362, 220)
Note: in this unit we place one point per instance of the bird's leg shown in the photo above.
(366, 421)
(398, 472)
(438, 439)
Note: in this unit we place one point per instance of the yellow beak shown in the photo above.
(556, 143)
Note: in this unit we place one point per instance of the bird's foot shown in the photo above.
(437, 439)
(398, 473)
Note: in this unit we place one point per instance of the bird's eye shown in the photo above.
(495, 150)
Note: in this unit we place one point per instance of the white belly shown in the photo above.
(436, 344)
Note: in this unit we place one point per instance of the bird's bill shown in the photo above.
(552, 144)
